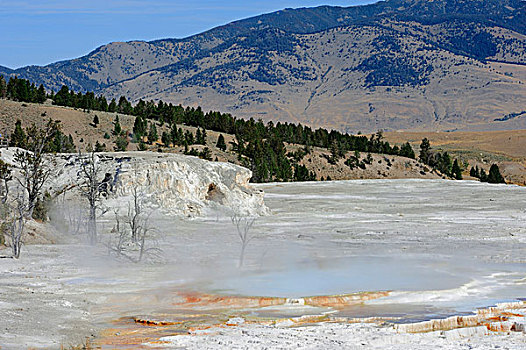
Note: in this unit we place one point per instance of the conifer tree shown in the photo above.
(138, 127)
(494, 176)
(198, 136)
(99, 147)
(112, 107)
(425, 151)
(121, 143)
(407, 151)
(41, 94)
(221, 143)
(203, 137)
(483, 176)
(18, 138)
(165, 139)
(117, 126)
(456, 172)
(152, 134)
(473, 172)
(3, 87)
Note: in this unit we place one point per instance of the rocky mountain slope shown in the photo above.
(396, 64)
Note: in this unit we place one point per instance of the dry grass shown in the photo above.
(506, 148)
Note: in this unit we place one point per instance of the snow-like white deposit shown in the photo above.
(444, 248)
(176, 184)
(343, 336)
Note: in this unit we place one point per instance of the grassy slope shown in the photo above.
(507, 148)
(77, 123)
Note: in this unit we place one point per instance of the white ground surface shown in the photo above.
(340, 336)
(444, 247)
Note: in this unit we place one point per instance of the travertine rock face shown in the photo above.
(184, 185)
(173, 183)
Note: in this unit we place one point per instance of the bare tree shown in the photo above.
(139, 223)
(135, 211)
(145, 235)
(17, 222)
(136, 251)
(91, 189)
(122, 236)
(137, 233)
(243, 225)
(34, 168)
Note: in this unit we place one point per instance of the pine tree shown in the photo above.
(41, 94)
(18, 138)
(139, 127)
(166, 139)
(444, 163)
(221, 143)
(124, 106)
(62, 97)
(189, 138)
(425, 151)
(456, 172)
(483, 176)
(121, 143)
(203, 137)
(198, 136)
(494, 176)
(407, 151)
(206, 154)
(99, 147)
(152, 134)
(117, 126)
(3, 87)
(112, 107)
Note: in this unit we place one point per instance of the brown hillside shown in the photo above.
(506, 148)
(78, 124)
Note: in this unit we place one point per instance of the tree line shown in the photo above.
(259, 146)
(22, 90)
(443, 163)
(493, 177)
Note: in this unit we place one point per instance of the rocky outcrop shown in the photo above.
(172, 183)
(184, 185)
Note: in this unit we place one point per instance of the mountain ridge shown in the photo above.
(269, 49)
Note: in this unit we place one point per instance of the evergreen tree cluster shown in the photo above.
(58, 143)
(226, 123)
(493, 177)
(440, 161)
(22, 90)
(259, 146)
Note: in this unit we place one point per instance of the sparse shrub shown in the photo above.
(121, 143)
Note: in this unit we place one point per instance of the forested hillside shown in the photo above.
(396, 64)
(273, 151)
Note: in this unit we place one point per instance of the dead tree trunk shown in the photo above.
(91, 190)
(18, 223)
(243, 225)
(134, 214)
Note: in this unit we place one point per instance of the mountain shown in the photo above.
(396, 64)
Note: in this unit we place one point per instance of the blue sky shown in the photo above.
(44, 31)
